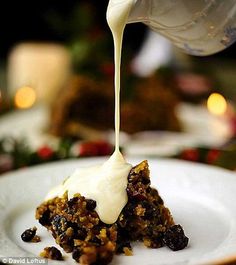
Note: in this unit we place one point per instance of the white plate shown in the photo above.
(31, 124)
(200, 128)
(201, 198)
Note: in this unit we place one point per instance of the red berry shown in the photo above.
(212, 156)
(88, 149)
(96, 148)
(104, 148)
(45, 152)
(190, 154)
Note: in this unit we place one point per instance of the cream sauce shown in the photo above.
(106, 183)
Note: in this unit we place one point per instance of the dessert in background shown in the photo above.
(87, 104)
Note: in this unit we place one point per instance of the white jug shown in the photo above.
(199, 27)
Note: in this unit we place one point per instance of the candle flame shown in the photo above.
(216, 104)
(25, 97)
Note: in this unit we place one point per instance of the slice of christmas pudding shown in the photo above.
(77, 228)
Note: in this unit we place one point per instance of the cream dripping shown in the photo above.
(106, 183)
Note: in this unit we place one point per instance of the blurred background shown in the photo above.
(56, 90)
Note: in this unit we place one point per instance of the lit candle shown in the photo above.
(44, 66)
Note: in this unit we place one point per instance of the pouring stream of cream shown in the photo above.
(106, 183)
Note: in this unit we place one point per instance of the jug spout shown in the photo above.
(139, 11)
